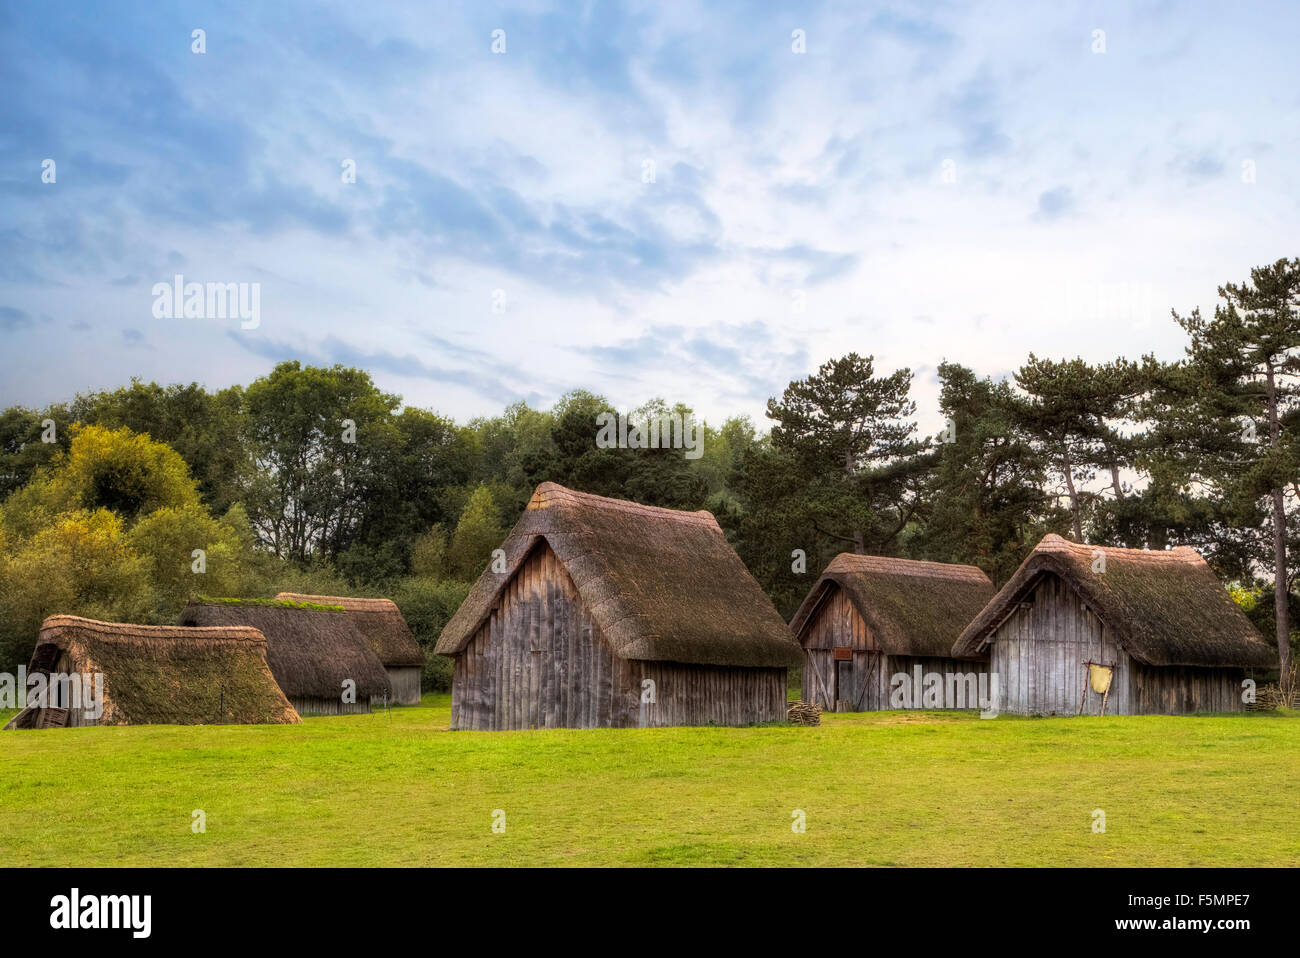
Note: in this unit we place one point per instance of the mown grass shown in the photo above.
(877, 789)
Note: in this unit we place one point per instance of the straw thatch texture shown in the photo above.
(379, 620)
(1164, 608)
(911, 608)
(662, 584)
(166, 675)
(311, 650)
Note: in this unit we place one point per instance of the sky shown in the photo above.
(699, 202)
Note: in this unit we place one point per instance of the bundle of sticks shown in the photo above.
(804, 713)
(1270, 697)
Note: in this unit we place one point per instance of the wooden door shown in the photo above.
(844, 686)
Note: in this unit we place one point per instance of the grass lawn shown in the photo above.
(882, 788)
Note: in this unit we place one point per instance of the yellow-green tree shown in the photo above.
(478, 532)
(112, 529)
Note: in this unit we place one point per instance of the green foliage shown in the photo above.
(108, 530)
(22, 450)
(267, 480)
(427, 604)
(1071, 416)
(846, 435)
(117, 470)
(205, 429)
(1242, 395)
(166, 540)
(79, 563)
(312, 433)
(987, 504)
(429, 554)
(478, 532)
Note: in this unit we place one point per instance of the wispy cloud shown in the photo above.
(649, 187)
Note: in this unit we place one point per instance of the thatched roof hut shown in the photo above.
(1162, 618)
(389, 636)
(910, 607)
(640, 592)
(160, 675)
(868, 618)
(312, 650)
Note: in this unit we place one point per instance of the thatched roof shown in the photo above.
(911, 608)
(379, 621)
(1164, 608)
(311, 649)
(166, 675)
(662, 584)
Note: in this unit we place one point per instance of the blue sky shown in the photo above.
(947, 181)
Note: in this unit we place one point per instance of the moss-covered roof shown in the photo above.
(379, 620)
(911, 608)
(311, 649)
(1164, 608)
(282, 601)
(169, 675)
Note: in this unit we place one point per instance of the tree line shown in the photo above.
(314, 479)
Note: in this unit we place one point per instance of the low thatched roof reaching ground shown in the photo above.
(662, 584)
(379, 621)
(166, 675)
(311, 649)
(911, 608)
(1164, 608)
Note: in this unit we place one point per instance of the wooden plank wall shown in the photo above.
(1038, 654)
(404, 686)
(711, 695)
(836, 623)
(315, 706)
(540, 661)
(930, 663)
(1177, 690)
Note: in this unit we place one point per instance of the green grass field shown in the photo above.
(876, 789)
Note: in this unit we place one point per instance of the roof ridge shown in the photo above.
(1181, 553)
(131, 630)
(556, 492)
(917, 567)
(341, 600)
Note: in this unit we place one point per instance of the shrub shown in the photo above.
(426, 605)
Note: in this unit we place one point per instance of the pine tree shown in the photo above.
(849, 435)
(987, 504)
(1073, 417)
(1248, 357)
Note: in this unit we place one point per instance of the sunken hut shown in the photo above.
(151, 675)
(380, 621)
(316, 652)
